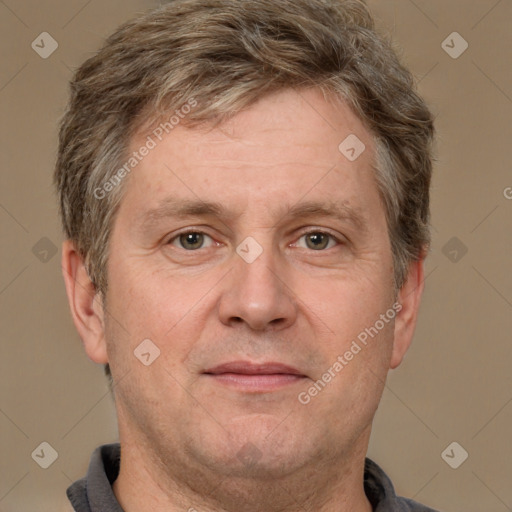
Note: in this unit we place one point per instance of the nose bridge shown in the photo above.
(256, 293)
(260, 275)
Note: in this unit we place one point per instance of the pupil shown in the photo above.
(318, 240)
(193, 240)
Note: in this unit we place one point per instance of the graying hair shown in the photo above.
(226, 54)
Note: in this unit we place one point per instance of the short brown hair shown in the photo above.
(226, 54)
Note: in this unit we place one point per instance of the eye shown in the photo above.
(318, 240)
(191, 240)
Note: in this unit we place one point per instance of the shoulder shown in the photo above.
(96, 487)
(409, 505)
(381, 493)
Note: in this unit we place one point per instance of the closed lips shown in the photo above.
(247, 368)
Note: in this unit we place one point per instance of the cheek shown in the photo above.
(350, 383)
(164, 309)
(357, 344)
(348, 305)
(150, 303)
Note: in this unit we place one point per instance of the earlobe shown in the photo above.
(85, 303)
(409, 298)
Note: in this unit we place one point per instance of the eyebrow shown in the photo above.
(181, 208)
(172, 207)
(331, 209)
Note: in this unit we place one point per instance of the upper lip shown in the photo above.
(249, 368)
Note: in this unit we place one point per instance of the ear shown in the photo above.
(85, 303)
(409, 297)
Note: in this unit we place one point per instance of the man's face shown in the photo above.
(210, 297)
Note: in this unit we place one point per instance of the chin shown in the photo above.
(258, 451)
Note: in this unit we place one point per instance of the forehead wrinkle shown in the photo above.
(178, 207)
(182, 208)
(340, 210)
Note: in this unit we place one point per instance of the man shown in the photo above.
(244, 187)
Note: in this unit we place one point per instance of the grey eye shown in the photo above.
(190, 241)
(317, 240)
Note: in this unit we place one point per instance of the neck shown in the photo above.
(145, 484)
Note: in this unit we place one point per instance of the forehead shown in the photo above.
(287, 146)
(288, 117)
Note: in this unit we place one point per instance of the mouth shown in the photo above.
(251, 377)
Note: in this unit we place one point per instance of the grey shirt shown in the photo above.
(93, 493)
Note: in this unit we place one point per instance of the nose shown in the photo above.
(258, 295)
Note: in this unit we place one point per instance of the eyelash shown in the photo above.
(321, 232)
(314, 231)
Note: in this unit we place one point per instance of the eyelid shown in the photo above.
(336, 236)
(175, 236)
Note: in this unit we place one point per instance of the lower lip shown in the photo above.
(247, 382)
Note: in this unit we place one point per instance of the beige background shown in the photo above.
(455, 384)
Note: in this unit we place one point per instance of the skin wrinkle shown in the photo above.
(306, 48)
(255, 104)
(189, 431)
(172, 207)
